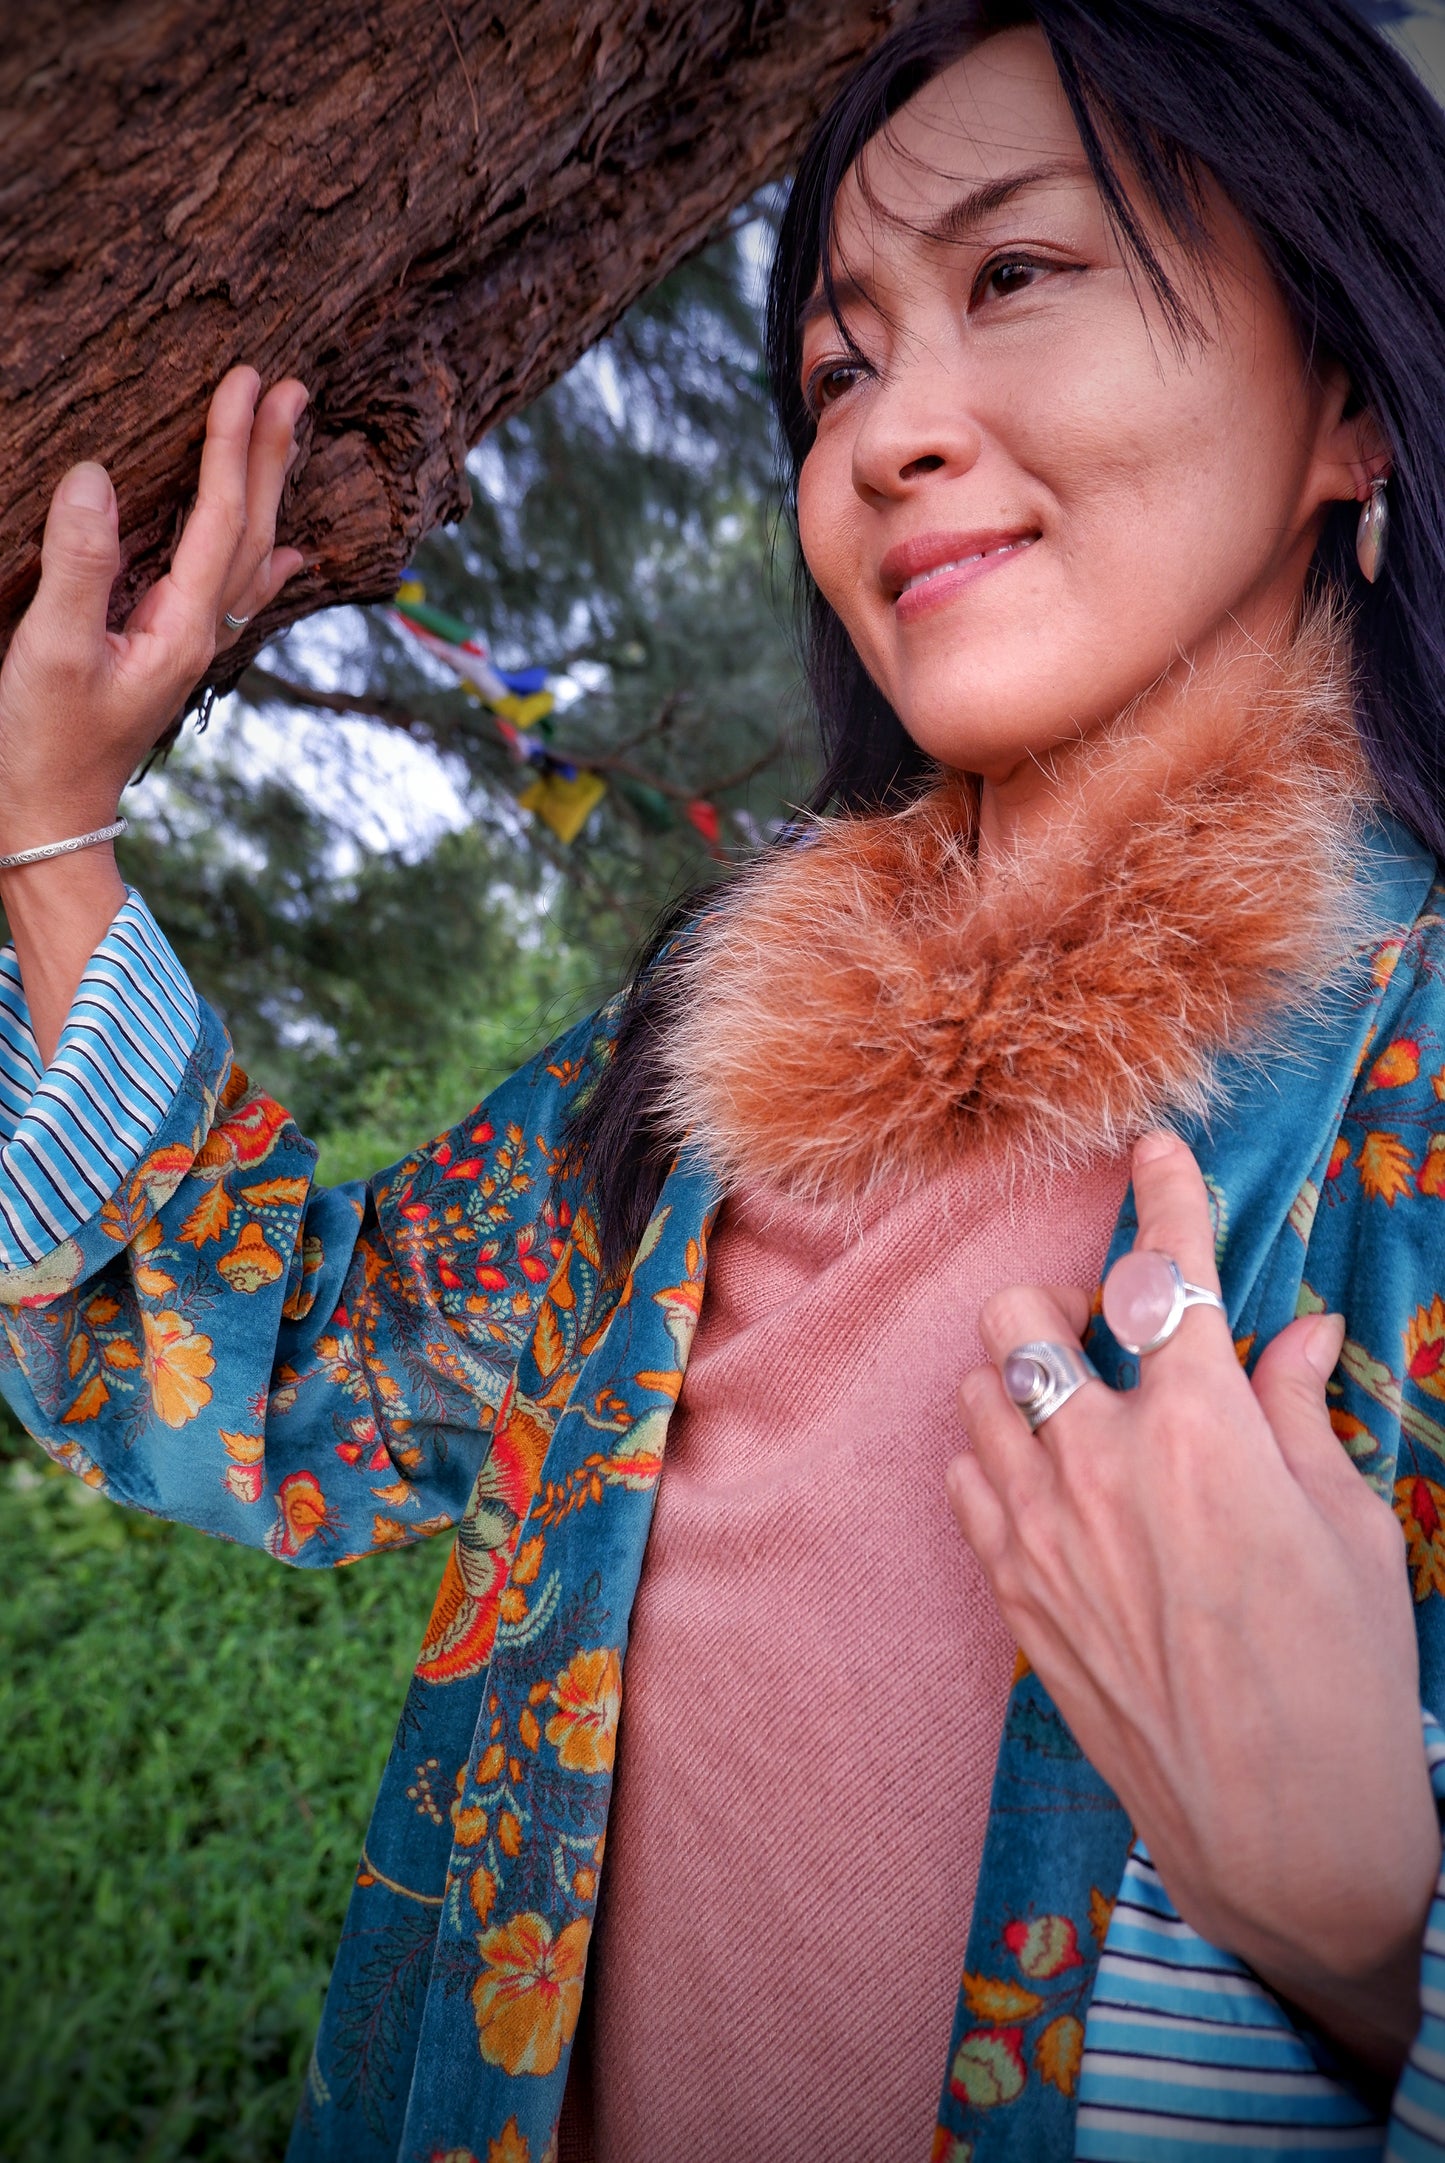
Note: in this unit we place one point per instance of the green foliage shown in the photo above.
(421, 984)
(196, 1734)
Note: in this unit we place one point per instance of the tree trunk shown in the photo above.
(427, 209)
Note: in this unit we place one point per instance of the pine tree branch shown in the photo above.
(264, 687)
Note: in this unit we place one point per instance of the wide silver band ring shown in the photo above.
(237, 623)
(1041, 1378)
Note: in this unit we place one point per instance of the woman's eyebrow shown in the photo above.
(958, 221)
(954, 224)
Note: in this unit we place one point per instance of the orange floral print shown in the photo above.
(1425, 1347)
(301, 1512)
(1397, 1064)
(509, 2146)
(529, 1993)
(1059, 2052)
(178, 1365)
(1430, 1179)
(588, 1697)
(1420, 1507)
(252, 1263)
(1385, 1167)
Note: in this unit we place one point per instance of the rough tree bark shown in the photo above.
(426, 208)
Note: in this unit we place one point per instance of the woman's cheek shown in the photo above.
(832, 541)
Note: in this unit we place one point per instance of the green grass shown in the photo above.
(193, 1735)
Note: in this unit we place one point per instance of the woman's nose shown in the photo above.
(917, 425)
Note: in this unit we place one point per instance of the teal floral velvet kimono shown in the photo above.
(324, 1373)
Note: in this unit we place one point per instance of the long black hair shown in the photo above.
(1333, 153)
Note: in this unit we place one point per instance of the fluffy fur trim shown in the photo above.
(866, 1007)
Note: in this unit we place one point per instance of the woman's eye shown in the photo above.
(1009, 274)
(827, 384)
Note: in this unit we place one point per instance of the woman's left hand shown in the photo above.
(1220, 1608)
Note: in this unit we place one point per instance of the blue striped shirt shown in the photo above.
(72, 1133)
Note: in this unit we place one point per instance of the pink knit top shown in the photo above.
(815, 1686)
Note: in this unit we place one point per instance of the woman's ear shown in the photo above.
(1351, 448)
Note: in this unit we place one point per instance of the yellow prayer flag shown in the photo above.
(564, 805)
(522, 710)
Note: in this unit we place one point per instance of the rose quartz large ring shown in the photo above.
(1145, 1296)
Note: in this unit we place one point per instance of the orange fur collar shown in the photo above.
(864, 1007)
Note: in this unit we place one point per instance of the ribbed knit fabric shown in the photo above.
(814, 1688)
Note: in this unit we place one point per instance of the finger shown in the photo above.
(79, 558)
(977, 1509)
(1172, 1203)
(1006, 1452)
(1031, 1313)
(272, 448)
(1289, 1384)
(1073, 1303)
(216, 528)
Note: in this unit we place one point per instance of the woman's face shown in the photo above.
(1031, 503)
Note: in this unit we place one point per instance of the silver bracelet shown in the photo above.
(64, 848)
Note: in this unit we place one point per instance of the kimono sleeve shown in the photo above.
(195, 1327)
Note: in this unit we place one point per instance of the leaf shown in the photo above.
(1303, 1209)
(549, 1347)
(1058, 2052)
(87, 1405)
(121, 1354)
(667, 1381)
(209, 1218)
(276, 1193)
(1100, 1909)
(990, 1997)
(396, 1496)
(1385, 1166)
(528, 1562)
(1430, 1179)
(584, 1234)
(78, 1354)
(1425, 1347)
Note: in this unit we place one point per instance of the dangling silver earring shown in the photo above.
(1373, 531)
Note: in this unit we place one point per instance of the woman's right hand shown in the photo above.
(80, 705)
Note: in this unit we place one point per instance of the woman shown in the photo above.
(1102, 337)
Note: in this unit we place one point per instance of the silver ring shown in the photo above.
(1181, 1295)
(1040, 1378)
(237, 623)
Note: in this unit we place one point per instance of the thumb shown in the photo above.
(1289, 1386)
(79, 558)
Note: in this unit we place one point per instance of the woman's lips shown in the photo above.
(930, 589)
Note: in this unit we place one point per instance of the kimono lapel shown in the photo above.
(587, 1419)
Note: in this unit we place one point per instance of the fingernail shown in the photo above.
(87, 487)
(1150, 1147)
(1324, 1343)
